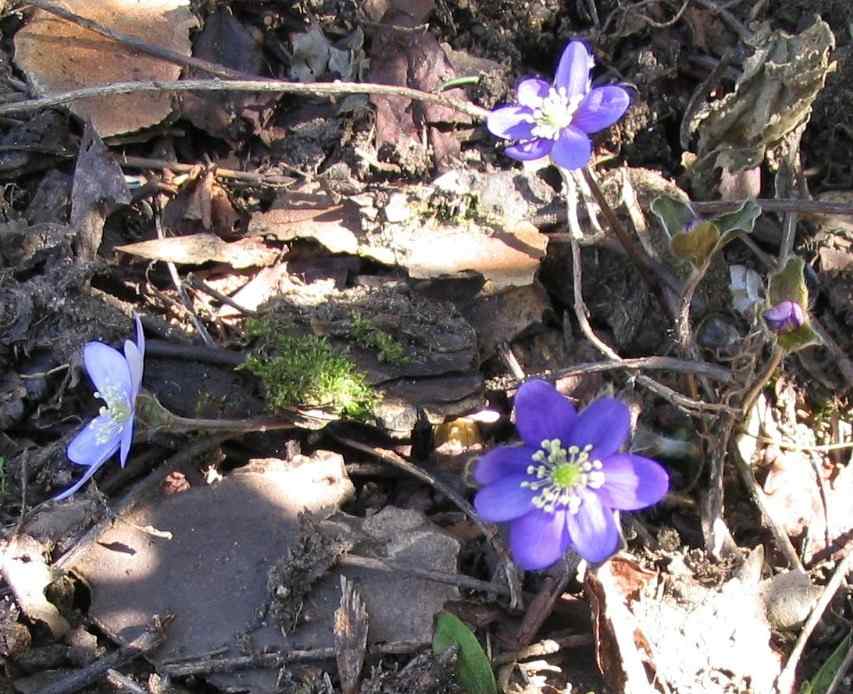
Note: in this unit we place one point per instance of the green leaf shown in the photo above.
(473, 669)
(697, 244)
(789, 284)
(742, 219)
(822, 679)
(673, 214)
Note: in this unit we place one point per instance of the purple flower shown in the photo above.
(117, 379)
(558, 490)
(785, 317)
(557, 119)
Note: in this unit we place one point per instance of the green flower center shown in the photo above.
(117, 411)
(560, 474)
(554, 113)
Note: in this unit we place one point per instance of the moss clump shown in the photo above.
(305, 370)
(366, 334)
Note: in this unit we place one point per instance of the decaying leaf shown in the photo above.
(773, 97)
(59, 56)
(196, 249)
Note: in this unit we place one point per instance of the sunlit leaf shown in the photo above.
(473, 669)
(696, 244)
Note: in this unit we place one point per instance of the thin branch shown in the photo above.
(809, 207)
(329, 89)
(785, 681)
(178, 167)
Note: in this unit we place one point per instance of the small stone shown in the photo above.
(397, 210)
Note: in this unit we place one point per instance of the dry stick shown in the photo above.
(330, 89)
(182, 293)
(200, 285)
(703, 368)
(160, 164)
(207, 666)
(807, 207)
(154, 635)
(544, 647)
(785, 681)
(458, 580)
(123, 683)
(463, 505)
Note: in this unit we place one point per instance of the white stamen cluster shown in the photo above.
(554, 113)
(117, 411)
(560, 474)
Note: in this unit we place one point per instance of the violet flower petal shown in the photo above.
(632, 482)
(542, 413)
(572, 149)
(601, 108)
(593, 529)
(530, 149)
(784, 316)
(539, 539)
(531, 92)
(504, 500)
(604, 424)
(135, 355)
(502, 461)
(126, 441)
(573, 70)
(84, 448)
(511, 122)
(106, 367)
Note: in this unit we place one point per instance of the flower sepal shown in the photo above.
(787, 315)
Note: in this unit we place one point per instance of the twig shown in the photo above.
(208, 355)
(509, 360)
(699, 95)
(123, 683)
(330, 89)
(248, 176)
(182, 293)
(822, 448)
(541, 607)
(277, 660)
(703, 368)
(785, 681)
(807, 207)
(544, 647)
(734, 23)
(200, 285)
(458, 580)
(154, 635)
(845, 366)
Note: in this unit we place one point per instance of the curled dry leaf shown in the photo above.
(58, 56)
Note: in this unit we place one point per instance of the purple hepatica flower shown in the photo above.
(117, 379)
(559, 489)
(785, 317)
(557, 119)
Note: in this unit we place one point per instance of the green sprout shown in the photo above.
(367, 335)
(306, 370)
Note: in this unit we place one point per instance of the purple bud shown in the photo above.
(784, 317)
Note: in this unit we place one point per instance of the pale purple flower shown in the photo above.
(785, 317)
(559, 489)
(558, 118)
(117, 379)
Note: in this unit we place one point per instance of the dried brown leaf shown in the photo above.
(196, 249)
(59, 56)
